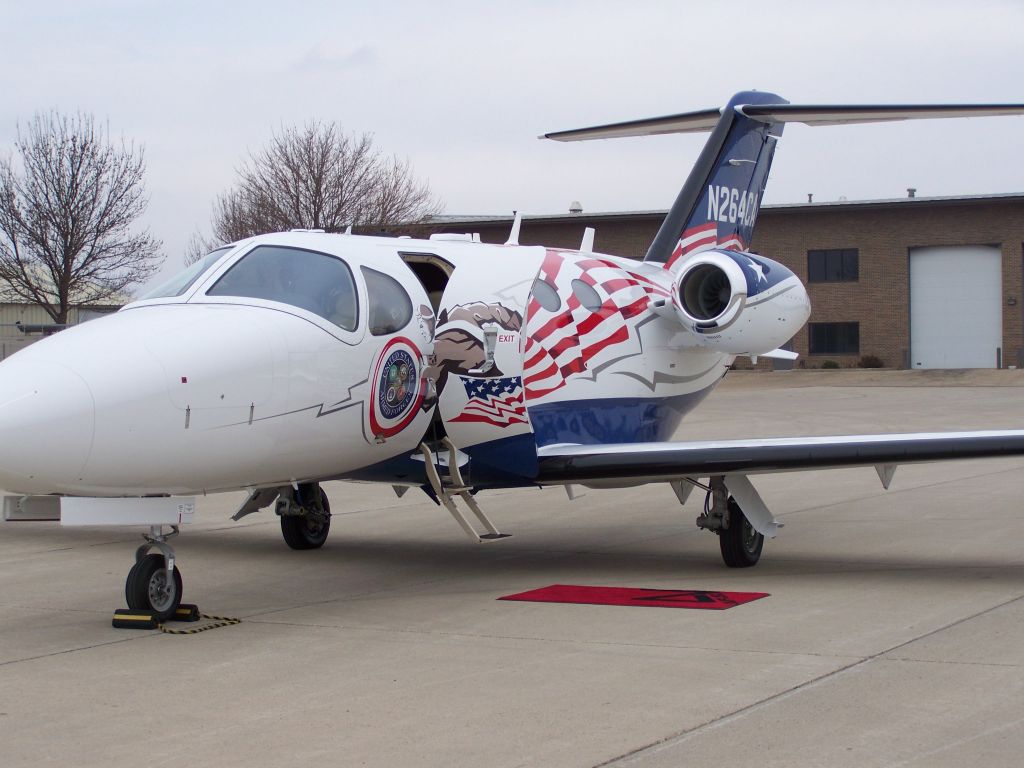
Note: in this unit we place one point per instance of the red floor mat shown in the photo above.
(651, 598)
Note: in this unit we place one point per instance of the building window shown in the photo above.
(834, 338)
(833, 265)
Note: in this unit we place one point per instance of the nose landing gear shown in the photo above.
(154, 584)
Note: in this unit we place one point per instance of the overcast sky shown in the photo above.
(463, 89)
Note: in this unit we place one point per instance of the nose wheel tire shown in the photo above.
(307, 531)
(741, 545)
(148, 587)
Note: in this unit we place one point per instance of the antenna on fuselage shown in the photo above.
(517, 223)
(587, 245)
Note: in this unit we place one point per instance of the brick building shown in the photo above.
(916, 282)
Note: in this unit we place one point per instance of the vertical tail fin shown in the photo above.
(718, 204)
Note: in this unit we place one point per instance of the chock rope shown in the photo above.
(218, 621)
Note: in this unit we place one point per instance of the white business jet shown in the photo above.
(449, 365)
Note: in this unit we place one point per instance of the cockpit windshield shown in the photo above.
(313, 281)
(184, 280)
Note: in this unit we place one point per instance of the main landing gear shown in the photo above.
(738, 541)
(740, 544)
(154, 584)
(304, 510)
(305, 516)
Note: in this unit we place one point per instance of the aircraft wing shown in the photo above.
(651, 462)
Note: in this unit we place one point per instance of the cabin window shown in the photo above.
(546, 295)
(390, 305)
(586, 295)
(312, 281)
(834, 338)
(185, 279)
(834, 265)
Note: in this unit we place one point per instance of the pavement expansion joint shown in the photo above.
(90, 647)
(556, 640)
(952, 662)
(678, 738)
(38, 609)
(917, 759)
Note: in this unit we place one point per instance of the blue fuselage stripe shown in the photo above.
(613, 420)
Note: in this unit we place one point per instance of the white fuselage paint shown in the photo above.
(196, 393)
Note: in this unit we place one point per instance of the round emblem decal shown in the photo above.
(398, 389)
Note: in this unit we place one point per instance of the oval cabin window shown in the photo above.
(390, 305)
(546, 295)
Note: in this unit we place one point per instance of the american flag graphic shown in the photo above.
(702, 238)
(565, 341)
(493, 401)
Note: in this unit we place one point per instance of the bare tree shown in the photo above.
(197, 247)
(319, 177)
(67, 211)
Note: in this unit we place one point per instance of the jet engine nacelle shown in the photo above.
(739, 303)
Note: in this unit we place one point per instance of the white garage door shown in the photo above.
(956, 309)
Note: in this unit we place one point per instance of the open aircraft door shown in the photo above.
(478, 346)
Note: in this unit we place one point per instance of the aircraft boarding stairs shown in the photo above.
(450, 487)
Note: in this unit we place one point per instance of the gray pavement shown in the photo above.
(892, 635)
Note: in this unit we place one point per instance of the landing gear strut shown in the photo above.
(154, 583)
(739, 543)
(305, 516)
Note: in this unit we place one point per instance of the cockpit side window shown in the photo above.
(313, 281)
(182, 281)
(390, 305)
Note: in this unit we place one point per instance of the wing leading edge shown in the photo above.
(652, 462)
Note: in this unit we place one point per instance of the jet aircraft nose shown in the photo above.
(47, 420)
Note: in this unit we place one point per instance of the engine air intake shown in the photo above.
(705, 292)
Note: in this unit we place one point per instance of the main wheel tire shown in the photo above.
(148, 588)
(741, 545)
(307, 531)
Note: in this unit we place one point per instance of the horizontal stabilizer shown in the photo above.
(687, 122)
(809, 114)
(845, 114)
